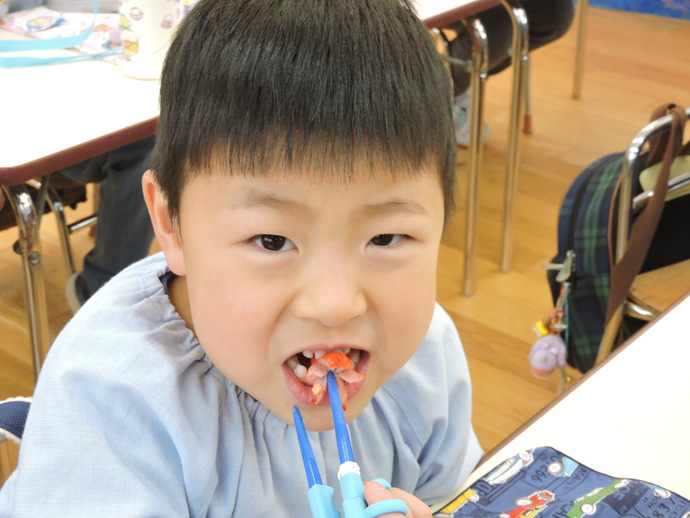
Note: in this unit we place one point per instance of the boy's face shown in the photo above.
(274, 266)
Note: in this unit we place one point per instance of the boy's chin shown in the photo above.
(319, 418)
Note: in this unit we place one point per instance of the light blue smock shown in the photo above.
(131, 419)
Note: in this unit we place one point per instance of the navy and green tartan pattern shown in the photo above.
(583, 226)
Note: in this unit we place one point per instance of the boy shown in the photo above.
(303, 171)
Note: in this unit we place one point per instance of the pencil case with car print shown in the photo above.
(547, 483)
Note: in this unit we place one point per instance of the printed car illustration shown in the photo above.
(509, 468)
(468, 496)
(659, 491)
(563, 467)
(530, 506)
(587, 503)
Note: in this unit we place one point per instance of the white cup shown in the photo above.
(147, 26)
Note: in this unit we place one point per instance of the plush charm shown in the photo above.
(547, 354)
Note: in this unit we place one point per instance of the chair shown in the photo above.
(653, 291)
(13, 413)
(520, 110)
(580, 51)
(28, 210)
(478, 68)
(579, 67)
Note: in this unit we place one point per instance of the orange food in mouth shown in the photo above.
(316, 375)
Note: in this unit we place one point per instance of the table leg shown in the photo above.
(32, 261)
(520, 56)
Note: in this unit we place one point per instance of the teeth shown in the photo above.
(300, 370)
(353, 354)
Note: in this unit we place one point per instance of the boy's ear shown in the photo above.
(166, 230)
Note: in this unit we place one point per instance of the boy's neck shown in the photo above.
(179, 298)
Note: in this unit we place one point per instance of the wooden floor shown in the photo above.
(633, 63)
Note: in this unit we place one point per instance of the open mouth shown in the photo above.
(311, 368)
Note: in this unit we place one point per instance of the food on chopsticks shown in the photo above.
(343, 366)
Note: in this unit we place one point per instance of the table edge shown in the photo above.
(13, 175)
(458, 13)
(494, 451)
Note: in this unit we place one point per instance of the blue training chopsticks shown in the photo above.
(351, 486)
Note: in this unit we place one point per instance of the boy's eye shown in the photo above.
(272, 242)
(386, 239)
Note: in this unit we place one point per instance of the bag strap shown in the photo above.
(659, 143)
(644, 226)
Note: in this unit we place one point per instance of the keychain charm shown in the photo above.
(549, 351)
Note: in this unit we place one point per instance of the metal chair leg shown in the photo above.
(478, 67)
(64, 231)
(34, 287)
(580, 53)
(479, 71)
(520, 56)
(527, 117)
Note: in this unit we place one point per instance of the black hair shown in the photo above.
(324, 86)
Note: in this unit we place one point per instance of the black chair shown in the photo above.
(13, 413)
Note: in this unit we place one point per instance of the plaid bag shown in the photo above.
(586, 244)
(583, 229)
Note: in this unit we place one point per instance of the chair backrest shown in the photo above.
(629, 206)
(13, 413)
(635, 148)
(634, 241)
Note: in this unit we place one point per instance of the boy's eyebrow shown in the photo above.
(260, 199)
(396, 205)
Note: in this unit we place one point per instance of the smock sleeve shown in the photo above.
(121, 422)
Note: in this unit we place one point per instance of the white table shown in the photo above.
(630, 417)
(57, 115)
(54, 116)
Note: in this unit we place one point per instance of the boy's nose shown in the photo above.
(331, 295)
